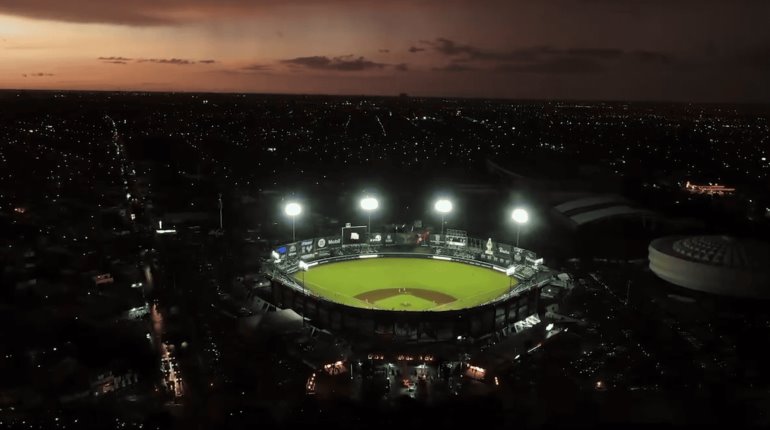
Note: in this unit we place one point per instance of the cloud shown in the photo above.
(556, 66)
(384, 51)
(451, 48)
(652, 57)
(164, 12)
(114, 59)
(176, 61)
(538, 59)
(346, 63)
(455, 66)
(37, 75)
(414, 49)
(401, 67)
(256, 67)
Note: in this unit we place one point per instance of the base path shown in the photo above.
(384, 293)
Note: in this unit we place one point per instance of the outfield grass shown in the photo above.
(468, 285)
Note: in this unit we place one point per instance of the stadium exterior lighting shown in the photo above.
(519, 216)
(293, 209)
(369, 204)
(443, 206)
(549, 327)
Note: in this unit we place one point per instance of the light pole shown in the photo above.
(369, 204)
(293, 209)
(519, 216)
(304, 268)
(509, 272)
(443, 206)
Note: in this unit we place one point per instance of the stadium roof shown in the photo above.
(714, 264)
(594, 208)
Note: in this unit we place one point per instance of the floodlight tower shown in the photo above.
(519, 216)
(509, 273)
(221, 226)
(443, 206)
(292, 209)
(303, 267)
(369, 204)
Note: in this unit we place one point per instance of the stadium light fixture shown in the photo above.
(369, 204)
(293, 209)
(443, 206)
(519, 216)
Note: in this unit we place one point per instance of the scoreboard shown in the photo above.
(354, 235)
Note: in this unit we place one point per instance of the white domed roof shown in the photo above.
(724, 251)
(714, 264)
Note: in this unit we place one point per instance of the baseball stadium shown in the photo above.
(412, 285)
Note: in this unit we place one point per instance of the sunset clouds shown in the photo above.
(705, 50)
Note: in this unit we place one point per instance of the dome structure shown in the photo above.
(713, 264)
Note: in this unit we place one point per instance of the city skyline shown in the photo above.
(708, 51)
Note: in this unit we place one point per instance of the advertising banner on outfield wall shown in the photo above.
(530, 257)
(389, 239)
(306, 249)
(504, 250)
(328, 242)
(375, 238)
(292, 249)
(518, 255)
(307, 246)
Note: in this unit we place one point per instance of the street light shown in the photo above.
(293, 209)
(369, 204)
(443, 206)
(519, 216)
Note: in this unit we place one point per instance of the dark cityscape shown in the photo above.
(413, 254)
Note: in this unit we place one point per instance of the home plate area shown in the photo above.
(405, 299)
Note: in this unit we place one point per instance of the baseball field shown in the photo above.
(405, 284)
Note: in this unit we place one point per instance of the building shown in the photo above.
(713, 264)
(710, 189)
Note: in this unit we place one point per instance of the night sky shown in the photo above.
(682, 50)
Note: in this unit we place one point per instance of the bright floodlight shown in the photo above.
(549, 327)
(369, 203)
(293, 209)
(520, 216)
(444, 206)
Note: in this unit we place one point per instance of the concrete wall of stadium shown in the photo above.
(407, 325)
